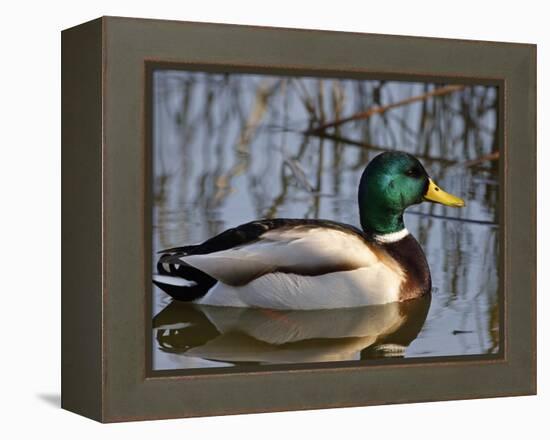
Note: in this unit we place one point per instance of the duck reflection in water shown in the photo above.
(265, 336)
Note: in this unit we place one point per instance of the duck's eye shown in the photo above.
(413, 172)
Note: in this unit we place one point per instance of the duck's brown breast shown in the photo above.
(410, 257)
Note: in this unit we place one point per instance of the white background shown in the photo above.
(30, 218)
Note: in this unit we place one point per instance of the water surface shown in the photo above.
(233, 148)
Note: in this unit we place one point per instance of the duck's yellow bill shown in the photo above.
(437, 195)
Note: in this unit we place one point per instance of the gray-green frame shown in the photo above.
(106, 217)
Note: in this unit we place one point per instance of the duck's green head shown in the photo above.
(392, 182)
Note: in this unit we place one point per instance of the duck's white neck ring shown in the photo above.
(392, 237)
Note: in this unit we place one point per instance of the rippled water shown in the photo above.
(231, 148)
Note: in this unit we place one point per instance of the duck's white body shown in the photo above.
(354, 288)
(300, 267)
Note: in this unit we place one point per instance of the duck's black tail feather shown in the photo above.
(172, 274)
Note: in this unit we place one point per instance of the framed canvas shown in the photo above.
(216, 257)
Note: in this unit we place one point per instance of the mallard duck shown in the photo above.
(316, 264)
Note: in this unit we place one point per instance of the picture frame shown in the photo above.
(106, 222)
